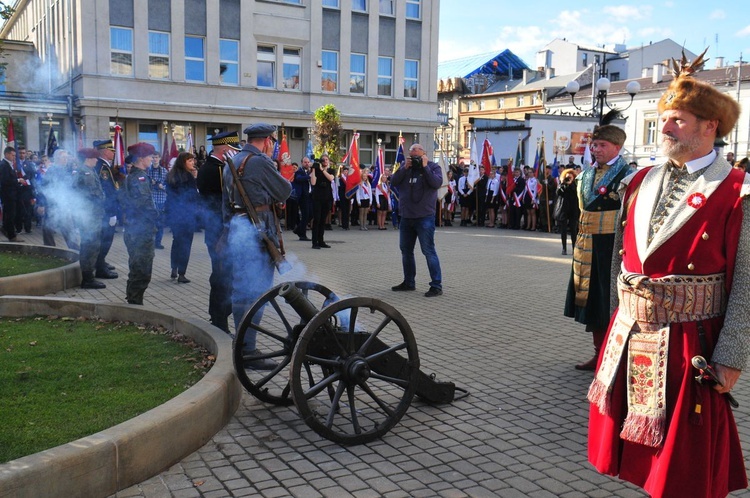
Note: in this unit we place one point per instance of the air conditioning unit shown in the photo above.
(297, 133)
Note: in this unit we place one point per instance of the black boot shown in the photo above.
(88, 281)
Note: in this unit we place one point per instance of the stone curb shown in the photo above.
(41, 282)
(131, 452)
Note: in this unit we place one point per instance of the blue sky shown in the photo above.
(478, 26)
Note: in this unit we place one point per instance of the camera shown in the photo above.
(416, 163)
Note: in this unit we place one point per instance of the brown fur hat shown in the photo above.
(685, 93)
(610, 133)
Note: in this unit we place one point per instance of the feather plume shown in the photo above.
(686, 68)
(609, 117)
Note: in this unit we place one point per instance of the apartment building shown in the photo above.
(174, 67)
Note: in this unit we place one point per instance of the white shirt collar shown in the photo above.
(701, 162)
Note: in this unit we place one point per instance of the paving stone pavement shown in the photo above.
(497, 331)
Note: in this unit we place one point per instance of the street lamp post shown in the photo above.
(602, 87)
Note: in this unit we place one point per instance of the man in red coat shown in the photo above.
(681, 260)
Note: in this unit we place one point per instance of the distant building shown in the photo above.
(470, 76)
(173, 67)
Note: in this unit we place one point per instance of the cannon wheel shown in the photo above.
(346, 383)
(277, 334)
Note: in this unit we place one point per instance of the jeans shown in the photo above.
(252, 273)
(411, 229)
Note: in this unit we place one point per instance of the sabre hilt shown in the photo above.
(707, 373)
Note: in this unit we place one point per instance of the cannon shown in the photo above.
(350, 366)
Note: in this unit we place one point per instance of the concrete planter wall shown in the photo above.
(41, 282)
(131, 452)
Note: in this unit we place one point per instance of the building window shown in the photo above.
(330, 75)
(481, 105)
(386, 7)
(296, 2)
(195, 59)
(331, 3)
(359, 5)
(650, 130)
(469, 106)
(585, 59)
(229, 62)
(520, 101)
(596, 59)
(385, 76)
(158, 55)
(411, 79)
(500, 103)
(614, 76)
(534, 99)
(357, 65)
(121, 47)
(413, 9)
(266, 66)
(149, 133)
(291, 68)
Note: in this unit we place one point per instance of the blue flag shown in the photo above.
(309, 150)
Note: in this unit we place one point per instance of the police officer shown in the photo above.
(88, 215)
(209, 182)
(252, 273)
(108, 178)
(140, 222)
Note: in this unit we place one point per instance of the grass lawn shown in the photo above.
(15, 263)
(62, 379)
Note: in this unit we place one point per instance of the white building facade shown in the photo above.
(197, 66)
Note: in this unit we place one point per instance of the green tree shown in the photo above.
(6, 12)
(327, 132)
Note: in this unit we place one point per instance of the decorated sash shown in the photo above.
(647, 307)
(590, 223)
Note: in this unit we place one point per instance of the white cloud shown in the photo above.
(743, 32)
(626, 13)
(718, 14)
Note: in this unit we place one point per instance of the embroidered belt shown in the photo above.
(675, 298)
(647, 307)
(590, 223)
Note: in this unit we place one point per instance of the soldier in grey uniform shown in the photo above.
(88, 215)
(253, 268)
(140, 222)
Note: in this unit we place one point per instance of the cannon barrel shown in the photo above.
(297, 300)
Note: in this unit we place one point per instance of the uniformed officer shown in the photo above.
(209, 182)
(110, 186)
(88, 215)
(140, 222)
(252, 273)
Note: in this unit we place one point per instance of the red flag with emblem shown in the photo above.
(355, 175)
(286, 170)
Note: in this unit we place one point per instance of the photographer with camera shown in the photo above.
(321, 180)
(418, 182)
(567, 210)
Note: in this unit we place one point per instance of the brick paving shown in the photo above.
(498, 331)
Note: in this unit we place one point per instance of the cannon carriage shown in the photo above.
(350, 366)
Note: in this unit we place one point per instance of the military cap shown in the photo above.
(141, 149)
(88, 153)
(260, 130)
(129, 159)
(104, 145)
(230, 138)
